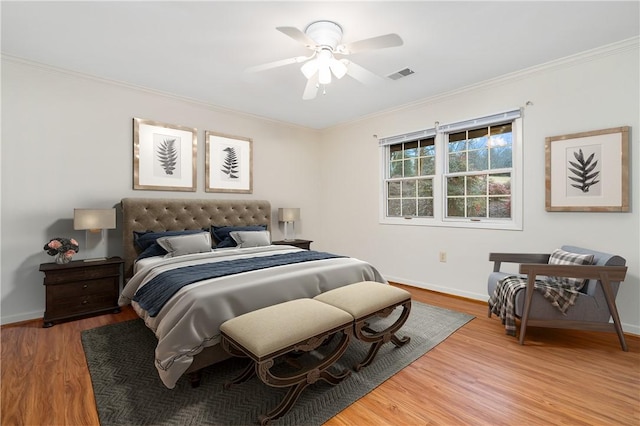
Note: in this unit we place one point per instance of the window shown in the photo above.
(463, 174)
(412, 166)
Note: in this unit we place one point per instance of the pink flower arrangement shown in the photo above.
(64, 246)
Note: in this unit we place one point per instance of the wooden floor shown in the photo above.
(478, 376)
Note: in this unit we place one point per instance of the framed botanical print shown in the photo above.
(228, 164)
(164, 156)
(588, 172)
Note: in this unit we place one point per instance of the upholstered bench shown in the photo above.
(366, 300)
(269, 333)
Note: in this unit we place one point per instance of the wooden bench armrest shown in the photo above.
(498, 258)
(610, 273)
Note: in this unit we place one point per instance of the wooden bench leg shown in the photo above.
(378, 338)
(298, 382)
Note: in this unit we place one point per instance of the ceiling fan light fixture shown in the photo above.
(338, 68)
(310, 68)
(324, 75)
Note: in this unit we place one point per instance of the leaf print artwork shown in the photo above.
(230, 164)
(168, 155)
(583, 171)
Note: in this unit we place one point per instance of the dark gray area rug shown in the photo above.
(128, 390)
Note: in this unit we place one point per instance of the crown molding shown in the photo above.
(143, 89)
(630, 44)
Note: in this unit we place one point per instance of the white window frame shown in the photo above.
(439, 194)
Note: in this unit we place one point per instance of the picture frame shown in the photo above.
(588, 171)
(228, 163)
(164, 156)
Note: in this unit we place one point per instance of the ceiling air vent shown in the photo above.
(402, 73)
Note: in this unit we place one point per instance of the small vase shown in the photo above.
(61, 259)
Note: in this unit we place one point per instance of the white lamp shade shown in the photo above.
(288, 214)
(94, 219)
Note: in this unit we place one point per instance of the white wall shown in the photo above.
(67, 143)
(595, 91)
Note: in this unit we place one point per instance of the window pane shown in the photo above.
(477, 185)
(500, 207)
(427, 147)
(478, 138)
(411, 149)
(500, 184)
(455, 207)
(427, 166)
(458, 162)
(425, 207)
(409, 207)
(425, 188)
(395, 169)
(501, 146)
(393, 208)
(477, 207)
(393, 190)
(502, 128)
(501, 157)
(478, 160)
(411, 167)
(409, 188)
(395, 152)
(457, 137)
(455, 185)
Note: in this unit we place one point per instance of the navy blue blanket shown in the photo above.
(154, 294)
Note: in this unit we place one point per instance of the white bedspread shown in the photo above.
(191, 319)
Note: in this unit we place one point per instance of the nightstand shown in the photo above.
(80, 288)
(303, 244)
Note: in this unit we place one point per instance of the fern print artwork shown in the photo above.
(230, 163)
(166, 151)
(583, 171)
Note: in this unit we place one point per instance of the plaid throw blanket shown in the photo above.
(502, 302)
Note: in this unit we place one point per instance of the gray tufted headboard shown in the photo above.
(171, 214)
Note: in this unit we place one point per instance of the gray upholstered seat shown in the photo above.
(591, 310)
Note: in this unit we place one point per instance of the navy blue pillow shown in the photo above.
(146, 241)
(153, 250)
(221, 234)
(147, 238)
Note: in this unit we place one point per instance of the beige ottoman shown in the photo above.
(368, 299)
(294, 326)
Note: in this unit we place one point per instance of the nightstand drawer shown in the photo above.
(79, 289)
(80, 274)
(82, 304)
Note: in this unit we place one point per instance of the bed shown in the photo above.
(187, 324)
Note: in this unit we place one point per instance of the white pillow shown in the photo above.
(251, 238)
(186, 244)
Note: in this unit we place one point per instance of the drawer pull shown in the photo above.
(84, 302)
(85, 286)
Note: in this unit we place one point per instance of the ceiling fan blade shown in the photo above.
(297, 35)
(311, 89)
(380, 42)
(361, 74)
(276, 64)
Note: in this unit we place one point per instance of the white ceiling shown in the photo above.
(199, 50)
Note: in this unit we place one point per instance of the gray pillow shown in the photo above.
(251, 238)
(186, 244)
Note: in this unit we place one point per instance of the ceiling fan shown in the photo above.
(324, 38)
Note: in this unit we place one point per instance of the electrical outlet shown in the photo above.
(443, 256)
